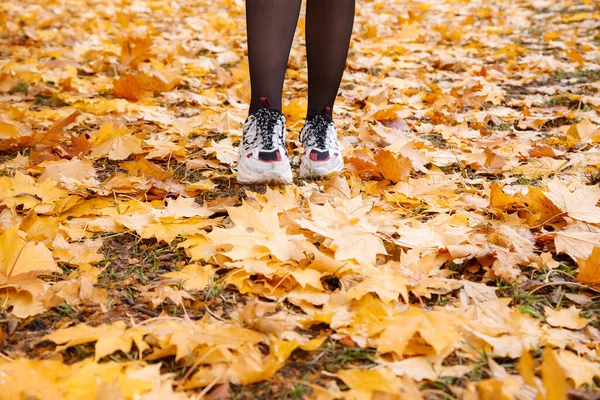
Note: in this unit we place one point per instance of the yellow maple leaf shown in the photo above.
(256, 233)
(575, 367)
(578, 203)
(108, 338)
(193, 276)
(577, 244)
(18, 256)
(553, 376)
(565, 318)
(115, 142)
(354, 237)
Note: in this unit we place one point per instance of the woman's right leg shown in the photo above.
(271, 25)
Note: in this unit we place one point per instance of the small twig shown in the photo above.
(147, 321)
(147, 312)
(197, 364)
(562, 214)
(312, 385)
(390, 239)
(561, 283)
(12, 268)
(210, 385)
(439, 393)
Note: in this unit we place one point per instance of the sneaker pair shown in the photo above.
(263, 156)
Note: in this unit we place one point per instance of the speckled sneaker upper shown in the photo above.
(322, 152)
(262, 156)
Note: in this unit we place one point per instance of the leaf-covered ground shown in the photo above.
(456, 256)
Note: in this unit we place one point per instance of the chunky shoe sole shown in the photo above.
(317, 171)
(245, 176)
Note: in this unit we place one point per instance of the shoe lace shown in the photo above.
(266, 120)
(317, 130)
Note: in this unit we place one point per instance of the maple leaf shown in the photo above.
(182, 207)
(584, 132)
(134, 50)
(129, 87)
(224, 151)
(115, 142)
(72, 174)
(193, 276)
(254, 232)
(589, 268)
(579, 203)
(23, 293)
(167, 231)
(161, 293)
(576, 367)
(364, 383)
(503, 201)
(108, 338)
(18, 256)
(539, 168)
(86, 252)
(565, 318)
(347, 224)
(577, 244)
(392, 168)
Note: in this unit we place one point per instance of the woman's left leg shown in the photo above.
(328, 31)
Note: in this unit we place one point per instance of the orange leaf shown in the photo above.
(553, 376)
(52, 135)
(135, 50)
(574, 56)
(128, 87)
(395, 169)
(589, 270)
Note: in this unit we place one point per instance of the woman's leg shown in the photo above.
(328, 31)
(271, 25)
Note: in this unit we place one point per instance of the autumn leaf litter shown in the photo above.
(456, 256)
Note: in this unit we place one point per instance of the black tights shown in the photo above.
(271, 25)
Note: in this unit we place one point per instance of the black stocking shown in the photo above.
(271, 25)
(328, 31)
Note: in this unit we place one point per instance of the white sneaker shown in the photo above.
(322, 151)
(262, 155)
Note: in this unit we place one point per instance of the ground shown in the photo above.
(456, 256)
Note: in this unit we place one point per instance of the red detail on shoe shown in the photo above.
(264, 102)
(336, 154)
(313, 157)
(249, 155)
(326, 111)
(277, 160)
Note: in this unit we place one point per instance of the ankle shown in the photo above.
(326, 113)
